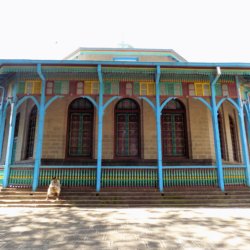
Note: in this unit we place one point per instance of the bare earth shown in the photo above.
(136, 228)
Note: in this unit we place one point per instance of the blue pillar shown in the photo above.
(216, 133)
(158, 128)
(243, 134)
(12, 123)
(39, 144)
(100, 124)
(2, 128)
(2, 123)
(3, 108)
(248, 121)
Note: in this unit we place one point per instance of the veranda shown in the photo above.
(157, 93)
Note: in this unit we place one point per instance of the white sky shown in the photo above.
(199, 30)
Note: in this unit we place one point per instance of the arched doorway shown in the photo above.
(127, 129)
(80, 128)
(31, 133)
(173, 127)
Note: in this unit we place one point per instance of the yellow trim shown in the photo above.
(33, 87)
(91, 87)
(148, 86)
(201, 87)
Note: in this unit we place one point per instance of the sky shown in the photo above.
(199, 30)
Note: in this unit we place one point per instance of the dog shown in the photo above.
(54, 188)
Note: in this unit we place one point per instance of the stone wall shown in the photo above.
(199, 130)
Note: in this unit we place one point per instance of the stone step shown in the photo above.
(147, 194)
(84, 198)
(125, 197)
(145, 205)
(126, 201)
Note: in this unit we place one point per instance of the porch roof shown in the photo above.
(170, 71)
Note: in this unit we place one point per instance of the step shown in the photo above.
(191, 205)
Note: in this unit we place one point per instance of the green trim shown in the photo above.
(131, 53)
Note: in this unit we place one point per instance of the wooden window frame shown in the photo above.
(203, 85)
(148, 85)
(138, 112)
(189, 89)
(177, 111)
(79, 89)
(223, 90)
(87, 111)
(52, 88)
(123, 88)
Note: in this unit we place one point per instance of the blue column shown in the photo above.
(2, 121)
(243, 134)
(100, 124)
(248, 120)
(216, 133)
(39, 144)
(1, 131)
(2, 128)
(12, 123)
(158, 128)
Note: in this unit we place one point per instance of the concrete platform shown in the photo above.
(133, 228)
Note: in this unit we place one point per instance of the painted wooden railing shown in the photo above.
(68, 176)
(1, 175)
(174, 177)
(234, 175)
(21, 176)
(129, 177)
(126, 176)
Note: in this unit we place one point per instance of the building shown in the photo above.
(130, 118)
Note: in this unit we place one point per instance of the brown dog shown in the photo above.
(54, 188)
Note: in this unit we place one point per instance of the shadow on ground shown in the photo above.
(166, 228)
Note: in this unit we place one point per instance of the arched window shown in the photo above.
(31, 133)
(234, 139)
(127, 118)
(173, 122)
(80, 128)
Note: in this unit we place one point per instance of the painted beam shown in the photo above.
(110, 101)
(244, 145)
(148, 101)
(107, 63)
(39, 144)
(229, 100)
(91, 100)
(100, 128)
(216, 133)
(50, 101)
(204, 102)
